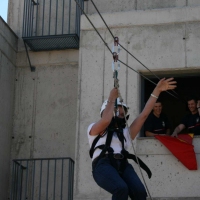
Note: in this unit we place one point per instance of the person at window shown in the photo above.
(190, 121)
(109, 139)
(157, 122)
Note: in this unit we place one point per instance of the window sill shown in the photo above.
(152, 146)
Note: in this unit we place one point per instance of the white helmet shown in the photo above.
(119, 103)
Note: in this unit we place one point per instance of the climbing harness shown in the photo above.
(118, 161)
(108, 151)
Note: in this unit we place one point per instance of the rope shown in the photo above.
(120, 45)
(136, 154)
(126, 49)
(146, 78)
(107, 45)
(116, 84)
(148, 70)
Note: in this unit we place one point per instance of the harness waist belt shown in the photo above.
(108, 151)
(118, 156)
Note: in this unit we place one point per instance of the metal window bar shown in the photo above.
(33, 180)
(42, 178)
(47, 188)
(51, 25)
(49, 18)
(17, 181)
(43, 17)
(63, 13)
(36, 18)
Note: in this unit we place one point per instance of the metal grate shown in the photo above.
(51, 24)
(70, 41)
(46, 178)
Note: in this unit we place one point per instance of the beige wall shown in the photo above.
(44, 122)
(45, 100)
(46, 115)
(130, 5)
(157, 38)
(45, 105)
(8, 50)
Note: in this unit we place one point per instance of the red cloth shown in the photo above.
(186, 137)
(182, 150)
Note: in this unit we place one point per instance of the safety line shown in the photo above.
(119, 42)
(93, 26)
(128, 51)
(136, 155)
(110, 49)
(125, 50)
(145, 77)
(121, 101)
(102, 19)
(148, 69)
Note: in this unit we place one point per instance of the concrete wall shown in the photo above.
(45, 100)
(130, 5)
(8, 49)
(45, 112)
(15, 16)
(164, 40)
(168, 172)
(45, 105)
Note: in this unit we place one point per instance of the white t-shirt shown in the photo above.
(115, 143)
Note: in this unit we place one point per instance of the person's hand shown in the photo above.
(114, 93)
(166, 84)
(174, 134)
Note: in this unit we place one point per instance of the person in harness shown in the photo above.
(109, 139)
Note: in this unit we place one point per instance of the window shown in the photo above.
(175, 109)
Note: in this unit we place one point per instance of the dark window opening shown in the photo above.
(174, 108)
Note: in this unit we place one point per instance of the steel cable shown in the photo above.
(128, 51)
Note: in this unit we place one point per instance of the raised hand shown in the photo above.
(114, 93)
(166, 84)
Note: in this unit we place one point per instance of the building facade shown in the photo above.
(48, 111)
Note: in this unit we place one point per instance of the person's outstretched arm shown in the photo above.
(107, 115)
(163, 85)
(177, 130)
